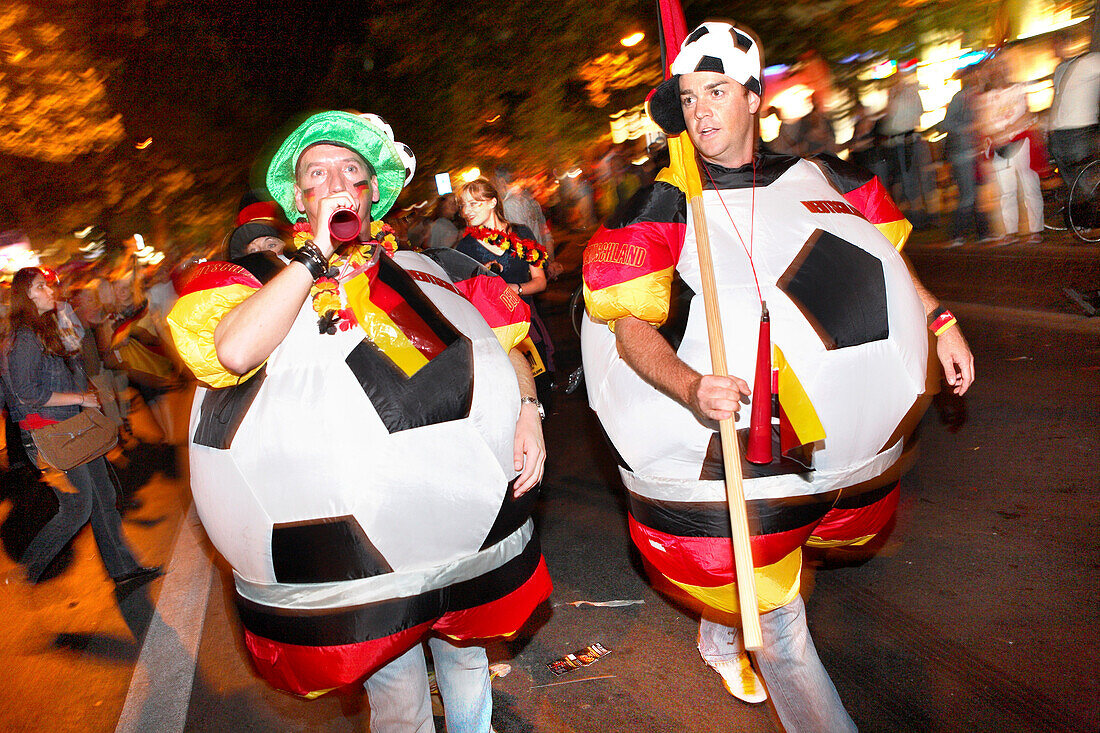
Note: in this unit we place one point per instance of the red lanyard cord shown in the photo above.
(752, 223)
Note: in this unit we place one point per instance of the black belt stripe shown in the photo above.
(864, 498)
(350, 625)
(712, 519)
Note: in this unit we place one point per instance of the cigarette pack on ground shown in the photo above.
(579, 658)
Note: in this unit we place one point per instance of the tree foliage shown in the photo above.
(54, 99)
(216, 84)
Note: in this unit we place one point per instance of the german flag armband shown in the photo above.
(941, 320)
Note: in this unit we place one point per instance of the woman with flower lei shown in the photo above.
(509, 250)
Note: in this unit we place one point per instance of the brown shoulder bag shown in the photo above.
(77, 440)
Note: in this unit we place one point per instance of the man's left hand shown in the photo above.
(958, 362)
(554, 270)
(529, 450)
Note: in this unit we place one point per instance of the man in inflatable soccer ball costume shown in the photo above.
(363, 448)
(817, 241)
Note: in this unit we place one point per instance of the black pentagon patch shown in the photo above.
(324, 551)
(441, 390)
(711, 63)
(697, 34)
(840, 289)
(743, 41)
(223, 410)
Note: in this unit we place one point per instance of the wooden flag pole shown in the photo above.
(673, 30)
(731, 454)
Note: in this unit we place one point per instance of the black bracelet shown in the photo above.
(310, 256)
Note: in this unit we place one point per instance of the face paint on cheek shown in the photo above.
(309, 194)
(362, 187)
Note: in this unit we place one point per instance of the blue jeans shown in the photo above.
(967, 216)
(400, 701)
(907, 159)
(798, 685)
(92, 500)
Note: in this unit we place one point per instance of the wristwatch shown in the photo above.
(533, 401)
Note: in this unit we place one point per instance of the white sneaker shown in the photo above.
(741, 680)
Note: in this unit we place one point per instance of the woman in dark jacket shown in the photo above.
(49, 386)
(509, 250)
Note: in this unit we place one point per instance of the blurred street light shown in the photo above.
(144, 143)
(633, 39)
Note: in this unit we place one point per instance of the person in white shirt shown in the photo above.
(1006, 121)
(443, 232)
(906, 153)
(1074, 132)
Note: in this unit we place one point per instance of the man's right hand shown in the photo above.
(717, 398)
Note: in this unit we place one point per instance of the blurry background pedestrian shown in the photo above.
(443, 232)
(1006, 120)
(960, 123)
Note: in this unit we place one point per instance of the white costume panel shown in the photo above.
(312, 446)
(860, 392)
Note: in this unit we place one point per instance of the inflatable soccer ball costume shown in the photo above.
(817, 241)
(359, 481)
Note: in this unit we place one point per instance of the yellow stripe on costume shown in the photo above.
(193, 320)
(796, 403)
(776, 586)
(380, 329)
(858, 541)
(896, 231)
(511, 335)
(645, 297)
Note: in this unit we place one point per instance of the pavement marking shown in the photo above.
(1051, 320)
(160, 689)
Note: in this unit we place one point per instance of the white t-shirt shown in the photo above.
(443, 234)
(904, 111)
(1076, 93)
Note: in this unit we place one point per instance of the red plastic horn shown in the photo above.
(344, 225)
(759, 447)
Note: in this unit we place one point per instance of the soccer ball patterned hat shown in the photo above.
(367, 135)
(713, 46)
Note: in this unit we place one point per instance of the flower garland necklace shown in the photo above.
(527, 250)
(326, 296)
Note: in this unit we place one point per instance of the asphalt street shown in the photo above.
(977, 612)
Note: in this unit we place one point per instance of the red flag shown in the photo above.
(672, 29)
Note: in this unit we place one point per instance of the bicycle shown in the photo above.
(1083, 204)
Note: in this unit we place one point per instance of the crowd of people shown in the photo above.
(98, 341)
(989, 138)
